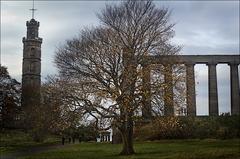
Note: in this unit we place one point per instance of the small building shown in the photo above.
(104, 136)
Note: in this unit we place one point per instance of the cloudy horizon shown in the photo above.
(202, 27)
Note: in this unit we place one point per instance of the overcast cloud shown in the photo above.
(202, 27)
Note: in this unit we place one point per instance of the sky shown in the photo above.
(202, 27)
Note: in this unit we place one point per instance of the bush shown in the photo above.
(222, 127)
(162, 128)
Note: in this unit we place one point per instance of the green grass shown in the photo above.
(14, 140)
(167, 149)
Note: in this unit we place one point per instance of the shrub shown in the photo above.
(222, 127)
(162, 128)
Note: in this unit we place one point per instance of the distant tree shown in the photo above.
(87, 132)
(105, 62)
(10, 94)
(60, 111)
(54, 115)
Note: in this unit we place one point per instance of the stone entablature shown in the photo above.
(193, 59)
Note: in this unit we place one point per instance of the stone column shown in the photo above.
(108, 137)
(168, 94)
(212, 89)
(235, 92)
(191, 94)
(101, 138)
(146, 109)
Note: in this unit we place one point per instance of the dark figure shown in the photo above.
(63, 140)
(73, 139)
(69, 139)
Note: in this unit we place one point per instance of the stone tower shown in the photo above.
(31, 66)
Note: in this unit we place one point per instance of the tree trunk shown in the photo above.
(127, 137)
(127, 102)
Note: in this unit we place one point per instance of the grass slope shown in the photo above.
(169, 149)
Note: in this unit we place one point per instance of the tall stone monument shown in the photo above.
(31, 66)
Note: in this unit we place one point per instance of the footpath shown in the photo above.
(31, 151)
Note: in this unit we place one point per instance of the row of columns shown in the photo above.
(191, 93)
(105, 137)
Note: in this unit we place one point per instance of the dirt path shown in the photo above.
(31, 151)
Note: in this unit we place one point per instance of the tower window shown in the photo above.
(32, 52)
(32, 67)
(32, 33)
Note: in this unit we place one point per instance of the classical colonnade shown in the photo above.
(190, 61)
(104, 136)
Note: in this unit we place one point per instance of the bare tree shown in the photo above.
(160, 89)
(106, 61)
(60, 110)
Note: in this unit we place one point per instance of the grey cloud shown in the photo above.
(219, 17)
